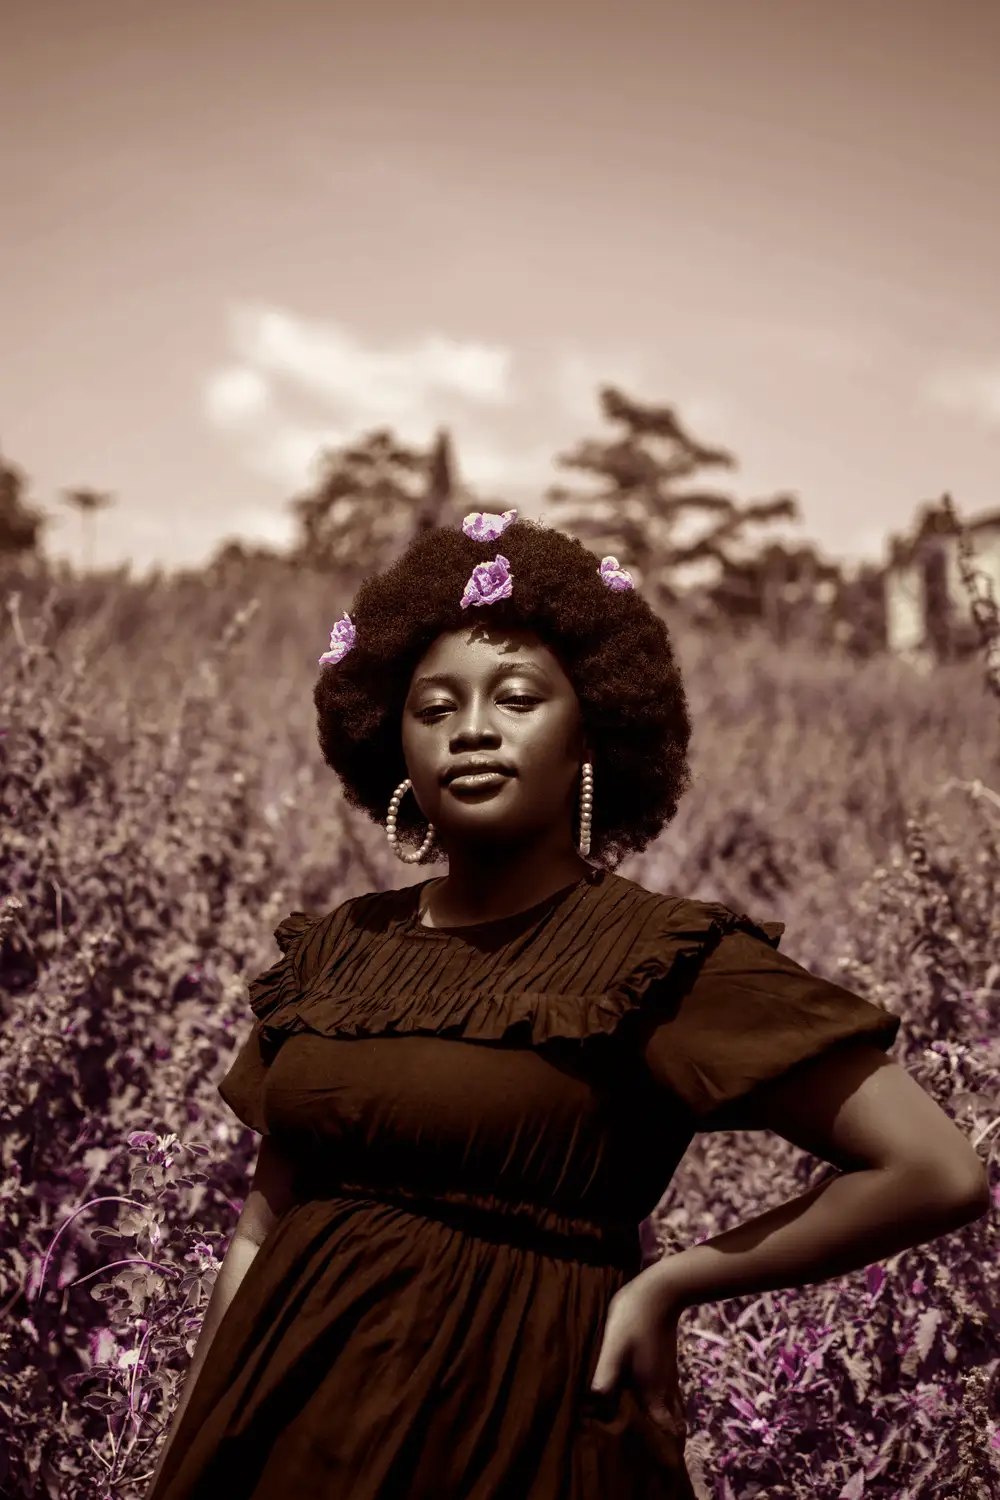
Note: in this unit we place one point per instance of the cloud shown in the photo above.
(327, 361)
(972, 391)
(294, 388)
(236, 395)
(286, 367)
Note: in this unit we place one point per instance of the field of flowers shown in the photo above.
(165, 804)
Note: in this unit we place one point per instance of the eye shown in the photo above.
(439, 708)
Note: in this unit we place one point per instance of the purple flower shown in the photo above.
(615, 577)
(201, 1254)
(342, 638)
(489, 582)
(484, 526)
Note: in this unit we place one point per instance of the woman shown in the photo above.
(472, 1090)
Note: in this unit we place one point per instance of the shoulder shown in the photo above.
(671, 915)
(302, 929)
(619, 892)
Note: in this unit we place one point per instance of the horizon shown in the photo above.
(238, 240)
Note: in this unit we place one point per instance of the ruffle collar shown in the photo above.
(573, 967)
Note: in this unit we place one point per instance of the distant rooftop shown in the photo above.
(932, 521)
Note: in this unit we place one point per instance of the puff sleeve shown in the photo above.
(242, 1087)
(749, 1015)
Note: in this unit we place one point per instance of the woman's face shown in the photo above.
(494, 695)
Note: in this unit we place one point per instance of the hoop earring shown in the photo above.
(586, 806)
(393, 837)
(415, 858)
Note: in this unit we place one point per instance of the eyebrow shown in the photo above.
(447, 679)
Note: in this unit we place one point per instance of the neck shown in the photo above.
(483, 888)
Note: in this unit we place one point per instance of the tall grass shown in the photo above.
(165, 803)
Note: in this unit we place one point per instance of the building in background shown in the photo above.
(928, 610)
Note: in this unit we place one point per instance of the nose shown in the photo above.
(471, 727)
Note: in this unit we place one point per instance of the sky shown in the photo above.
(233, 234)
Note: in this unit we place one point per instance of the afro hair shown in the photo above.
(615, 651)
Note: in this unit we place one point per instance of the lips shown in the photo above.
(475, 768)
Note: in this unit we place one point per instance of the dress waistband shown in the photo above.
(529, 1226)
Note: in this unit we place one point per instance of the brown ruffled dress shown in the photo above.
(481, 1117)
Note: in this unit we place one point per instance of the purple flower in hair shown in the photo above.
(484, 526)
(342, 638)
(615, 577)
(489, 582)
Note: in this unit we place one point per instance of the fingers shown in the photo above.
(669, 1416)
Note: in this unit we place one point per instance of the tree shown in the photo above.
(368, 497)
(20, 525)
(88, 503)
(442, 484)
(638, 506)
(792, 589)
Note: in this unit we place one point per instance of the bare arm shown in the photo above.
(854, 1107)
(271, 1193)
(910, 1176)
(269, 1196)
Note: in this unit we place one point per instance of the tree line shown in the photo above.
(647, 491)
